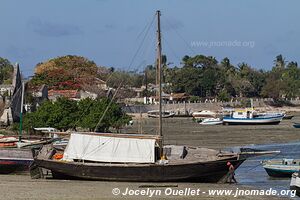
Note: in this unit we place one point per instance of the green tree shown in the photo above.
(6, 71)
(91, 111)
(291, 80)
(65, 114)
(61, 114)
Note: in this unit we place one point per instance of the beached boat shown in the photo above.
(15, 160)
(7, 141)
(296, 125)
(211, 121)
(295, 183)
(165, 114)
(204, 114)
(15, 155)
(281, 167)
(133, 157)
(250, 117)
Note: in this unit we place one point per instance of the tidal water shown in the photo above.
(252, 173)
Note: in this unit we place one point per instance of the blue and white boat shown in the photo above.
(251, 117)
(281, 167)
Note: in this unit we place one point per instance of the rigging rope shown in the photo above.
(180, 36)
(147, 28)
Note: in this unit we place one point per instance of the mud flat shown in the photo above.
(187, 132)
(22, 187)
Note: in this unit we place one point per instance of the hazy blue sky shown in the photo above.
(110, 31)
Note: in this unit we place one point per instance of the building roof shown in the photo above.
(70, 94)
(179, 95)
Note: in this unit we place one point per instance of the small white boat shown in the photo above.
(165, 114)
(203, 114)
(211, 121)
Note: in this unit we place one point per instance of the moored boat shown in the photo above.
(165, 114)
(16, 156)
(204, 114)
(15, 160)
(132, 157)
(211, 121)
(296, 125)
(281, 167)
(250, 117)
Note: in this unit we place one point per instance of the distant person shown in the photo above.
(184, 153)
(230, 176)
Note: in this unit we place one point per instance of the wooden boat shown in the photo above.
(165, 114)
(295, 183)
(6, 141)
(133, 157)
(296, 125)
(15, 160)
(249, 117)
(199, 164)
(281, 167)
(18, 157)
(211, 121)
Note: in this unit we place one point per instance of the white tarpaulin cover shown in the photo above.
(109, 149)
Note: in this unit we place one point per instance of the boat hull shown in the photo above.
(211, 123)
(15, 160)
(296, 125)
(163, 116)
(253, 121)
(273, 172)
(8, 166)
(212, 171)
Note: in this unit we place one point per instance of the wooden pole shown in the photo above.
(159, 81)
(159, 71)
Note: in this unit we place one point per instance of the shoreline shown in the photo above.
(184, 131)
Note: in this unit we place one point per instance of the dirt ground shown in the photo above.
(21, 187)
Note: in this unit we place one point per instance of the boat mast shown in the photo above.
(21, 111)
(159, 72)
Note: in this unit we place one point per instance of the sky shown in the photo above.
(121, 33)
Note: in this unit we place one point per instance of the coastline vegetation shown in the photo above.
(65, 114)
(198, 76)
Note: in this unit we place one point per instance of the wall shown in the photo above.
(192, 107)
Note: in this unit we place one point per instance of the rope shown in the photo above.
(260, 163)
(130, 65)
(180, 36)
